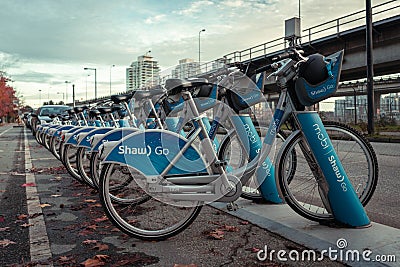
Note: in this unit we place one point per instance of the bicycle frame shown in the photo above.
(333, 181)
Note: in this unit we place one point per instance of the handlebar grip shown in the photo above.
(264, 68)
(284, 56)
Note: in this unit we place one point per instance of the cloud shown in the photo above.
(33, 76)
(195, 7)
(155, 19)
(51, 41)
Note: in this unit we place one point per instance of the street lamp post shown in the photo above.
(58, 93)
(110, 76)
(95, 80)
(40, 97)
(86, 85)
(203, 30)
(66, 91)
(73, 95)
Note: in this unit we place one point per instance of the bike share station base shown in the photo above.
(282, 220)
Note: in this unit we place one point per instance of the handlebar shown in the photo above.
(264, 68)
(292, 54)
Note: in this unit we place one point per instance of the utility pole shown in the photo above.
(370, 68)
(73, 95)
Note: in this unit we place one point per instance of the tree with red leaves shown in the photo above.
(7, 97)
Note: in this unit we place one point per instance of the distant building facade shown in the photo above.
(347, 110)
(187, 68)
(142, 73)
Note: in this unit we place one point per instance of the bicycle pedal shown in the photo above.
(232, 206)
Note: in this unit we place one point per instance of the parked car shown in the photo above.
(42, 115)
(25, 119)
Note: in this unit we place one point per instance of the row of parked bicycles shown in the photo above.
(157, 156)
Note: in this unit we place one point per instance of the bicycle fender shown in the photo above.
(85, 142)
(63, 128)
(152, 151)
(72, 138)
(113, 135)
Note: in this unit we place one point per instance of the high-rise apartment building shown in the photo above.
(142, 73)
(187, 68)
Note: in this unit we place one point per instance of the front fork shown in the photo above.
(337, 191)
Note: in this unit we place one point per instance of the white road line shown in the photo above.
(5, 131)
(39, 241)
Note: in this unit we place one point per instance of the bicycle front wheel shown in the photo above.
(151, 219)
(233, 152)
(300, 188)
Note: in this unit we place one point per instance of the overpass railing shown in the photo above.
(349, 21)
(336, 26)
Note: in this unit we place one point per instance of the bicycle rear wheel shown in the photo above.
(69, 160)
(95, 168)
(149, 219)
(300, 189)
(83, 166)
(46, 141)
(55, 144)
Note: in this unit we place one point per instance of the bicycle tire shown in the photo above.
(250, 189)
(83, 166)
(95, 168)
(357, 157)
(46, 141)
(55, 147)
(69, 160)
(144, 220)
(38, 137)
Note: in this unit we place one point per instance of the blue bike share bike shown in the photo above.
(181, 174)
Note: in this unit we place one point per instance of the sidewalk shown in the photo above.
(280, 219)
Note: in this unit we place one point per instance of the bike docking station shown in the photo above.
(266, 172)
(337, 192)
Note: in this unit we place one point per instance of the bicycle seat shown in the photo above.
(140, 94)
(104, 110)
(175, 86)
(198, 81)
(121, 98)
(94, 113)
(80, 109)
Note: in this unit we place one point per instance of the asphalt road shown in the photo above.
(78, 233)
(384, 205)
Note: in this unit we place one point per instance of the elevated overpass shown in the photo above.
(335, 35)
(381, 86)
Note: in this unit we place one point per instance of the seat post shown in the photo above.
(155, 114)
(131, 117)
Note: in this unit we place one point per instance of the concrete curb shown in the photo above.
(281, 220)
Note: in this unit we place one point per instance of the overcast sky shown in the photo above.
(45, 42)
